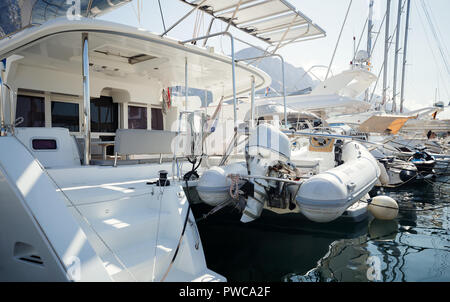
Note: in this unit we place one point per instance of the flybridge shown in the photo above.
(276, 22)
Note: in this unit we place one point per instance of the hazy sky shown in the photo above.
(425, 69)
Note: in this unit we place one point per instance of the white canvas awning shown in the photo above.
(274, 21)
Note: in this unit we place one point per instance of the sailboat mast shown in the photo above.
(397, 51)
(386, 53)
(369, 39)
(370, 29)
(405, 48)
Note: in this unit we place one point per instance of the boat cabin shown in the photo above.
(136, 80)
(69, 91)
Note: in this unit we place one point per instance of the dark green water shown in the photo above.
(277, 248)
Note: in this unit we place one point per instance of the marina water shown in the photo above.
(277, 248)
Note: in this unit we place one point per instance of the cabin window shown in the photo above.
(104, 115)
(44, 144)
(66, 115)
(32, 110)
(137, 117)
(157, 119)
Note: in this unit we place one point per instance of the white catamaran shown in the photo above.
(72, 212)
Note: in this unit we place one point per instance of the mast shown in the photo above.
(397, 51)
(370, 29)
(405, 47)
(386, 52)
(369, 39)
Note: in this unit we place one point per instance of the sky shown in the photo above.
(426, 76)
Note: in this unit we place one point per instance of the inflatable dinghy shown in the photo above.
(326, 196)
(321, 180)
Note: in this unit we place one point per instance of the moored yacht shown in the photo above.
(75, 210)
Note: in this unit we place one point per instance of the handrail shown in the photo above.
(87, 100)
(2, 92)
(233, 66)
(283, 76)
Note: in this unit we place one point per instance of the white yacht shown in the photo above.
(69, 210)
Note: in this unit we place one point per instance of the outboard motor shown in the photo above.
(424, 162)
(268, 155)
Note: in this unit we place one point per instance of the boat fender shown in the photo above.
(214, 185)
(384, 177)
(383, 208)
(406, 175)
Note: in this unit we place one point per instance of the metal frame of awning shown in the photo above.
(275, 22)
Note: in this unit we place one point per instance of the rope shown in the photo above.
(234, 187)
(404, 183)
(186, 178)
(406, 209)
(161, 194)
(181, 237)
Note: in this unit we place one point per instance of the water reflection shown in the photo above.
(414, 247)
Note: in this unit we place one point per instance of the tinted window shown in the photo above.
(137, 117)
(32, 110)
(44, 144)
(157, 119)
(104, 115)
(66, 115)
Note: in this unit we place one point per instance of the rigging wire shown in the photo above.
(162, 15)
(431, 50)
(378, 35)
(339, 38)
(438, 30)
(360, 38)
(436, 37)
(389, 47)
(136, 14)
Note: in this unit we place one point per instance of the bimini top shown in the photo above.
(276, 22)
(19, 14)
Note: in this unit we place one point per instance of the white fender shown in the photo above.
(384, 177)
(214, 186)
(384, 208)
